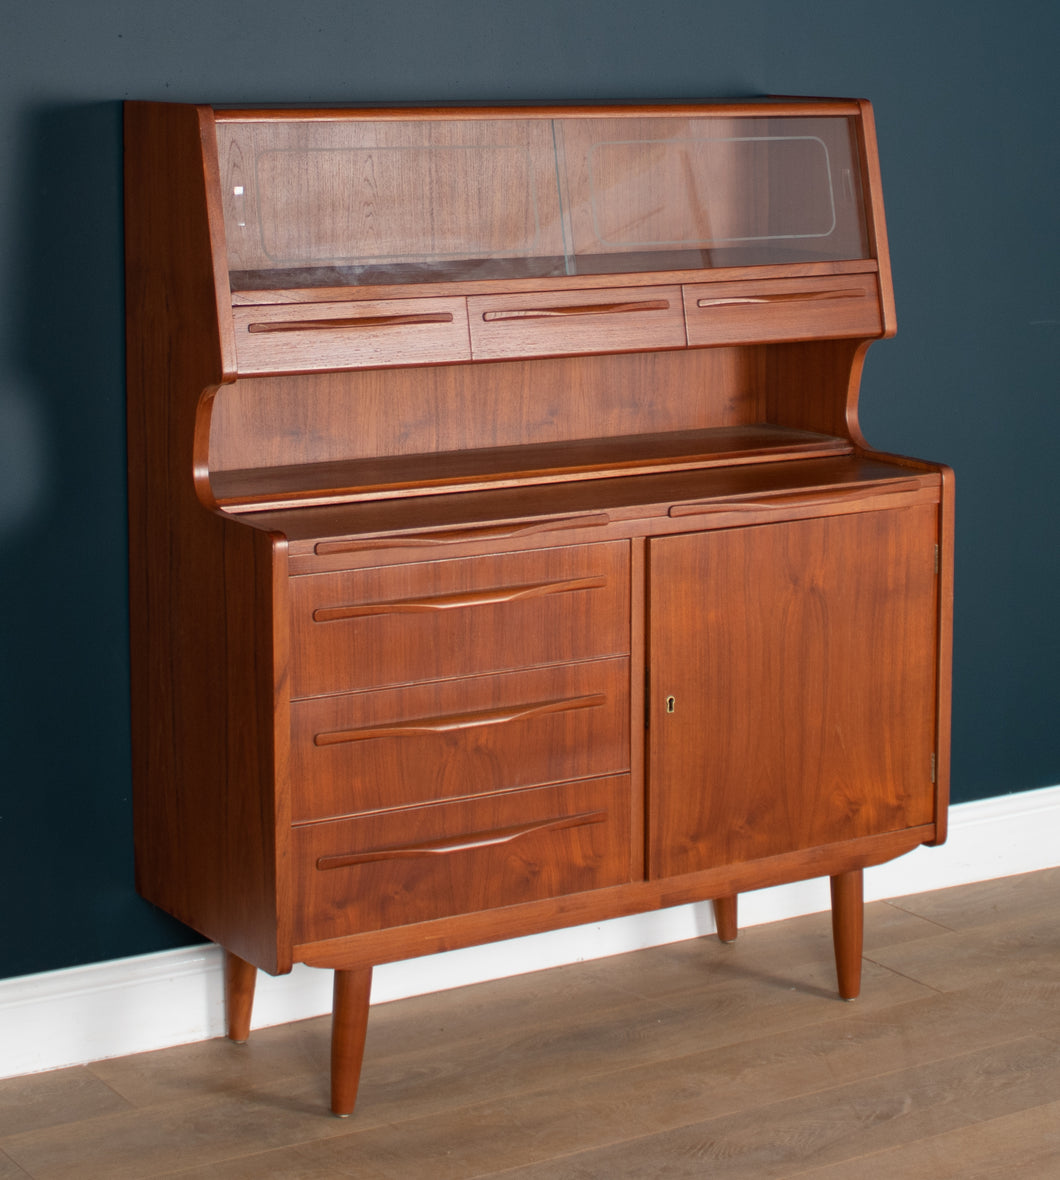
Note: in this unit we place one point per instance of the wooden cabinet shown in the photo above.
(505, 553)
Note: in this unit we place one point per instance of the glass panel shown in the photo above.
(358, 202)
(395, 204)
(676, 194)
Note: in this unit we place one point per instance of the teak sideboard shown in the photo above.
(505, 551)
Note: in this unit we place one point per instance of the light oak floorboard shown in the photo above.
(695, 1059)
(47, 1100)
(1024, 1145)
(9, 1170)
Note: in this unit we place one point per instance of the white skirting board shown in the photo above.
(132, 1005)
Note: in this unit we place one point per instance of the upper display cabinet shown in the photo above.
(319, 242)
(313, 201)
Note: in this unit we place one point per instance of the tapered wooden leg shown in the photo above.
(240, 977)
(725, 918)
(848, 914)
(349, 1023)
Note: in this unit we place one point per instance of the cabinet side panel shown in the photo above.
(208, 745)
(204, 675)
(945, 685)
(814, 385)
(873, 188)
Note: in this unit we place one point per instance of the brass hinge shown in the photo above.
(932, 767)
(938, 559)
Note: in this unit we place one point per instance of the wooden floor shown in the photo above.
(694, 1060)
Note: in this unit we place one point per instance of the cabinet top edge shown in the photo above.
(742, 107)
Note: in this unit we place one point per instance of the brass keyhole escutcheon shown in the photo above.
(670, 704)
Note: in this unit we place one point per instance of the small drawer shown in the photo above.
(450, 739)
(398, 867)
(304, 337)
(554, 323)
(768, 310)
(432, 619)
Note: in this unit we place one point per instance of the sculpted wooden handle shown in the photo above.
(794, 499)
(466, 843)
(492, 532)
(359, 321)
(443, 602)
(783, 297)
(542, 313)
(427, 726)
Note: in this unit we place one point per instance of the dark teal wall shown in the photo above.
(965, 98)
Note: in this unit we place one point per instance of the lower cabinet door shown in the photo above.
(411, 865)
(792, 686)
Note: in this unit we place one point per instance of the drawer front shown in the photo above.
(782, 309)
(554, 323)
(435, 619)
(301, 338)
(397, 867)
(449, 739)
